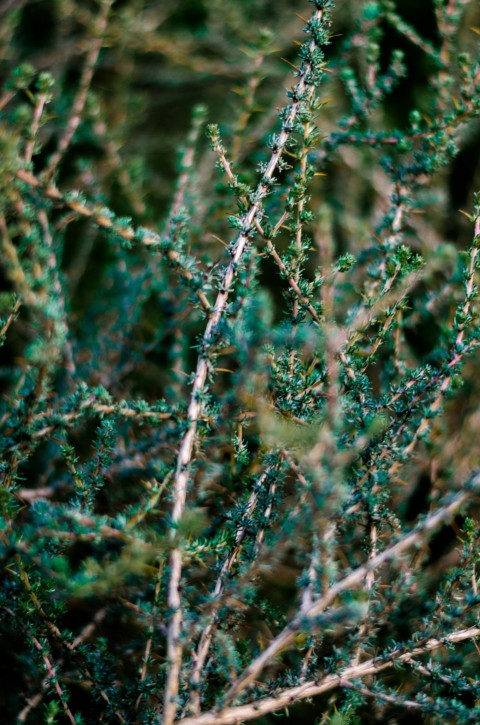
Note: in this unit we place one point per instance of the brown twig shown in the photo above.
(96, 41)
(312, 688)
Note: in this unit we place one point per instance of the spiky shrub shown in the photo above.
(239, 434)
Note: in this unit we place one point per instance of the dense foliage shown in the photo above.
(239, 406)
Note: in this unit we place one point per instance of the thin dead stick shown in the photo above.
(37, 115)
(446, 28)
(53, 629)
(82, 91)
(207, 634)
(34, 701)
(247, 112)
(188, 159)
(174, 643)
(53, 677)
(11, 318)
(63, 420)
(356, 577)
(13, 266)
(291, 695)
(151, 631)
(6, 98)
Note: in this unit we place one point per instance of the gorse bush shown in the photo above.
(239, 406)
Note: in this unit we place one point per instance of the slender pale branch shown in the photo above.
(304, 89)
(356, 577)
(291, 695)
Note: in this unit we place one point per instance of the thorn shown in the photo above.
(219, 240)
(291, 64)
(180, 372)
(301, 18)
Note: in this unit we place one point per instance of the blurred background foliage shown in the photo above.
(162, 58)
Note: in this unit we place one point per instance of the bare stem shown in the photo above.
(259, 708)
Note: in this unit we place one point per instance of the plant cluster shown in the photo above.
(238, 417)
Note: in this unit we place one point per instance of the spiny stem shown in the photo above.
(174, 642)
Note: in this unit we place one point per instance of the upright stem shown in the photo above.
(303, 90)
